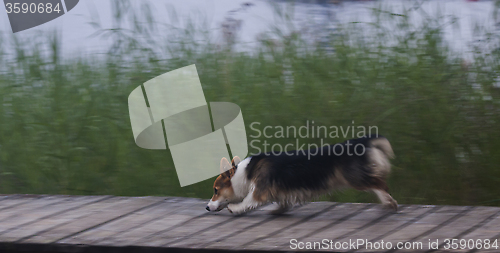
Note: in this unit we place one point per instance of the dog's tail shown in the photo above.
(383, 145)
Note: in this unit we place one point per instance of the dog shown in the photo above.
(296, 177)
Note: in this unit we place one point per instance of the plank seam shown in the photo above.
(444, 223)
(485, 222)
(18, 204)
(172, 227)
(338, 221)
(51, 215)
(334, 223)
(4, 197)
(39, 247)
(17, 214)
(305, 219)
(145, 222)
(198, 232)
(439, 226)
(475, 227)
(369, 224)
(491, 239)
(406, 224)
(108, 221)
(221, 239)
(220, 223)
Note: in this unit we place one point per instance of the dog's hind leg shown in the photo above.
(282, 208)
(386, 199)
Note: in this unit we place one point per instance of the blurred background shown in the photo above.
(426, 73)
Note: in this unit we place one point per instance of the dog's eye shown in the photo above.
(215, 191)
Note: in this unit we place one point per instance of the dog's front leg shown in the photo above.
(249, 203)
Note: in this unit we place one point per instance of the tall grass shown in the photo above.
(64, 125)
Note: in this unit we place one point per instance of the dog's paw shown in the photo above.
(235, 209)
(393, 206)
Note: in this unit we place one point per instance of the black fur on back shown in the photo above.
(299, 172)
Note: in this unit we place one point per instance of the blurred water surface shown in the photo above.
(255, 17)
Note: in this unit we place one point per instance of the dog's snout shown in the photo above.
(208, 208)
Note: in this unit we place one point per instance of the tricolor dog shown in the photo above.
(296, 177)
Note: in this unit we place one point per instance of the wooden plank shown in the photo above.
(374, 213)
(10, 201)
(489, 230)
(32, 209)
(455, 228)
(207, 222)
(105, 214)
(23, 204)
(423, 226)
(391, 224)
(358, 221)
(248, 227)
(356, 227)
(151, 229)
(427, 223)
(200, 220)
(65, 223)
(280, 241)
(154, 232)
(490, 248)
(30, 223)
(132, 221)
(55, 221)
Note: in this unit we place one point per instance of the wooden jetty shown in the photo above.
(45, 223)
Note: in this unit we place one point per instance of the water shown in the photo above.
(256, 17)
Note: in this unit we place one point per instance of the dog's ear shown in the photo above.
(225, 166)
(235, 161)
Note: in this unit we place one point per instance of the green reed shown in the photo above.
(64, 124)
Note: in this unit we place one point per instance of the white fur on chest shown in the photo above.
(241, 185)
